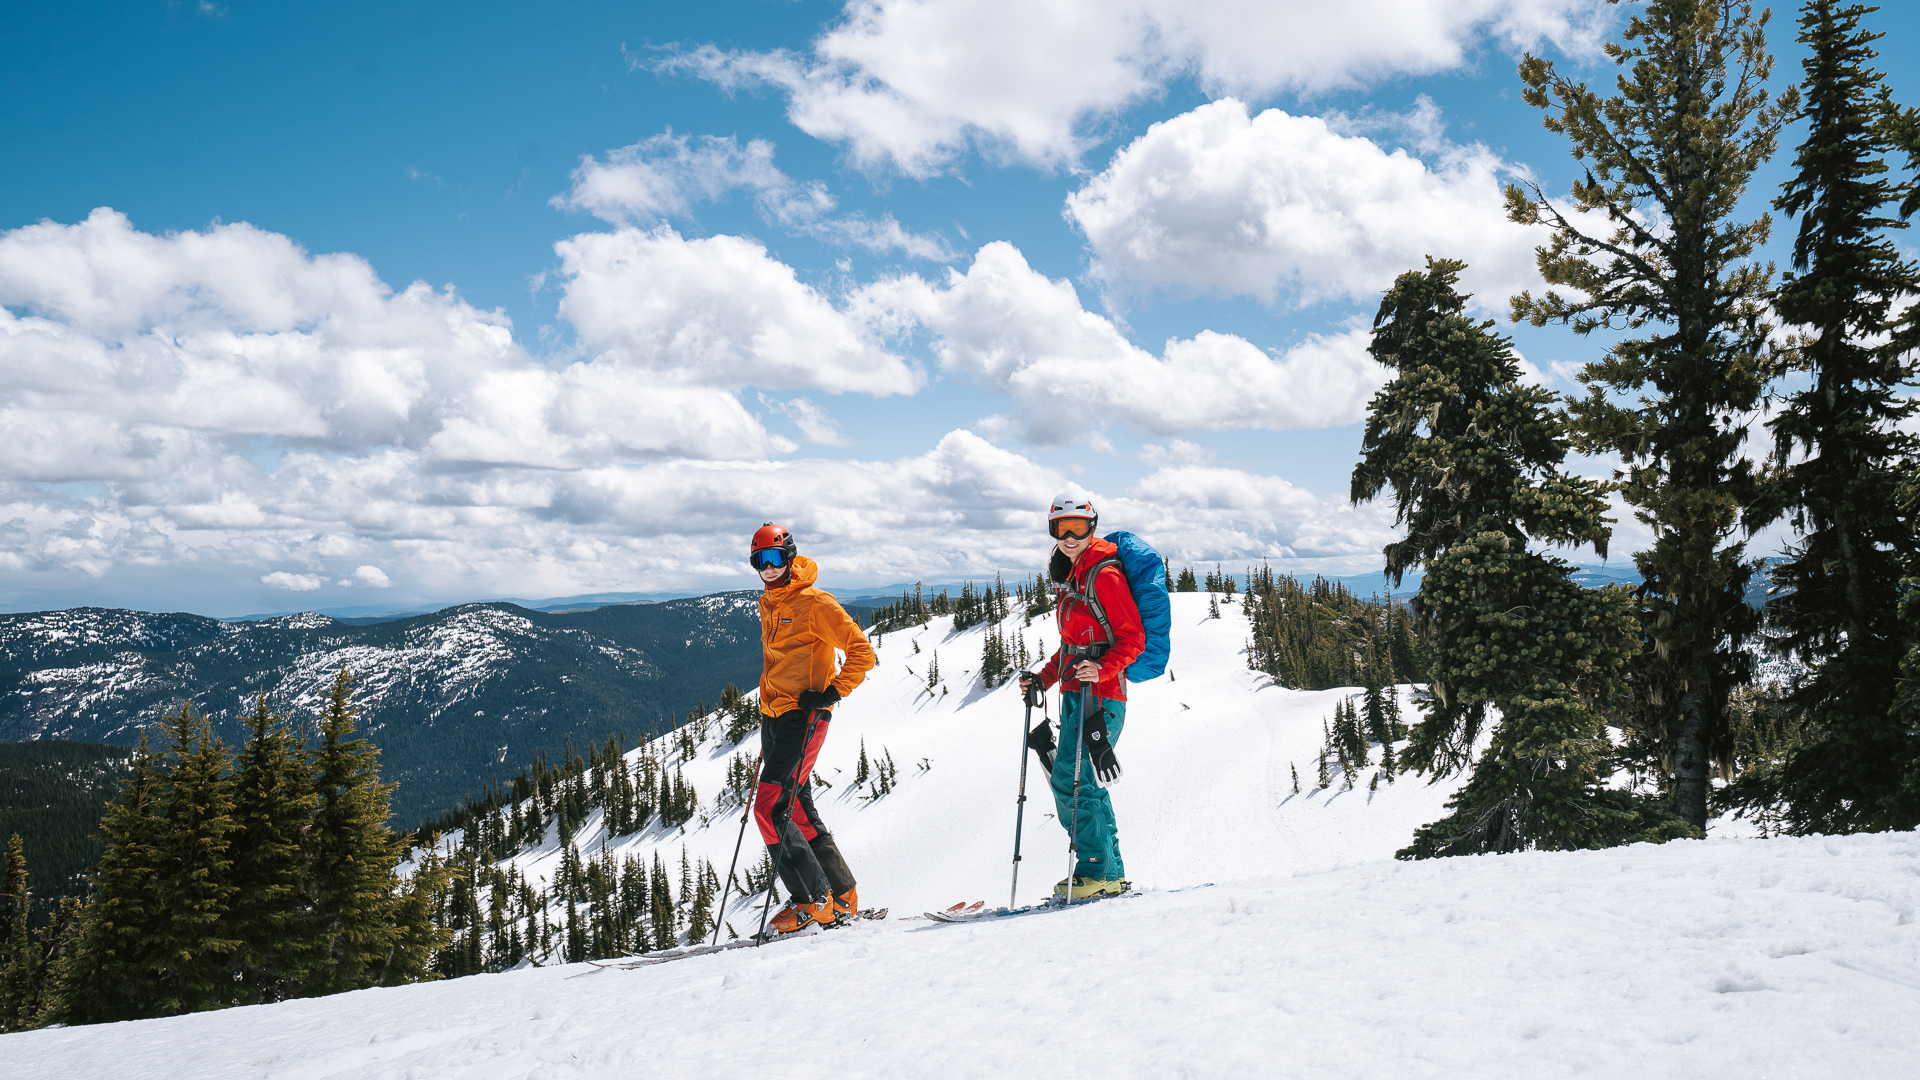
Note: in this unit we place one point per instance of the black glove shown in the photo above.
(812, 700)
(1100, 748)
(1031, 692)
(1041, 740)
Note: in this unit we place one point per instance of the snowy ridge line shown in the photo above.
(452, 698)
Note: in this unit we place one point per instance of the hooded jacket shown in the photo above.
(1078, 625)
(800, 627)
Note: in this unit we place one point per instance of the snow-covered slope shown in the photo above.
(1275, 936)
(1722, 958)
(1207, 796)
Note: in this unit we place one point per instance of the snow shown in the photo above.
(1275, 935)
(1730, 958)
(1208, 792)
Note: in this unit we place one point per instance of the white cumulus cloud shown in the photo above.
(910, 84)
(206, 417)
(665, 176)
(1010, 328)
(717, 312)
(1219, 201)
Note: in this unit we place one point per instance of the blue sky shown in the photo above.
(892, 272)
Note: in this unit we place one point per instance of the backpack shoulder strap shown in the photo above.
(1089, 598)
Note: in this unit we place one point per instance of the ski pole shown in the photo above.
(1020, 805)
(745, 813)
(780, 849)
(1073, 815)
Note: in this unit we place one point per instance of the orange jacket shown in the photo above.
(800, 627)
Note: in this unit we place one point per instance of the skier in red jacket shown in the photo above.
(1090, 658)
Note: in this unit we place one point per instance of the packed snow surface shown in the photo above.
(1728, 958)
(1275, 935)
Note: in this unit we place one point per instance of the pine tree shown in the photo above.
(1473, 456)
(17, 1007)
(416, 935)
(1840, 452)
(1666, 163)
(1375, 720)
(700, 912)
(1295, 770)
(193, 880)
(350, 855)
(1324, 779)
(1186, 582)
(113, 971)
(272, 805)
(636, 909)
(1348, 740)
(660, 893)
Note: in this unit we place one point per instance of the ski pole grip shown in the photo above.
(1033, 694)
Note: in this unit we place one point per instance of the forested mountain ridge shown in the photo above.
(451, 698)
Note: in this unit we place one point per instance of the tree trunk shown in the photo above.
(1690, 755)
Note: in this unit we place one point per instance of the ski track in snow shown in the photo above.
(1313, 954)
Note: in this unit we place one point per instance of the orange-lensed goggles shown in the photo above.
(1077, 528)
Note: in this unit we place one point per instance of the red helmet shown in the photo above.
(770, 538)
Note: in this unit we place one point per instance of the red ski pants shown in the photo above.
(787, 755)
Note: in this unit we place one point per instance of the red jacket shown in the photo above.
(1077, 624)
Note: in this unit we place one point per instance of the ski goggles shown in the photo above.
(767, 559)
(1077, 528)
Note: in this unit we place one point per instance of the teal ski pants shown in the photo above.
(1095, 834)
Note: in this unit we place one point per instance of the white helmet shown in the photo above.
(1072, 506)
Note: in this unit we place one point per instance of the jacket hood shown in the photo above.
(1059, 567)
(805, 573)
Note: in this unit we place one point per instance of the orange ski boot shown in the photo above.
(799, 916)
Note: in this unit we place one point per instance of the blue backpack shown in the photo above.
(1147, 577)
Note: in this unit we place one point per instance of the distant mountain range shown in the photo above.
(453, 698)
(372, 613)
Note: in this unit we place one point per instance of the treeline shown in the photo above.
(230, 876)
(601, 903)
(1320, 635)
(970, 608)
(1707, 338)
(51, 792)
(1359, 723)
(1312, 636)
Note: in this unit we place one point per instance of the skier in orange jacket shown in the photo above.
(800, 629)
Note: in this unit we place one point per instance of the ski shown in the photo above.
(685, 951)
(977, 912)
